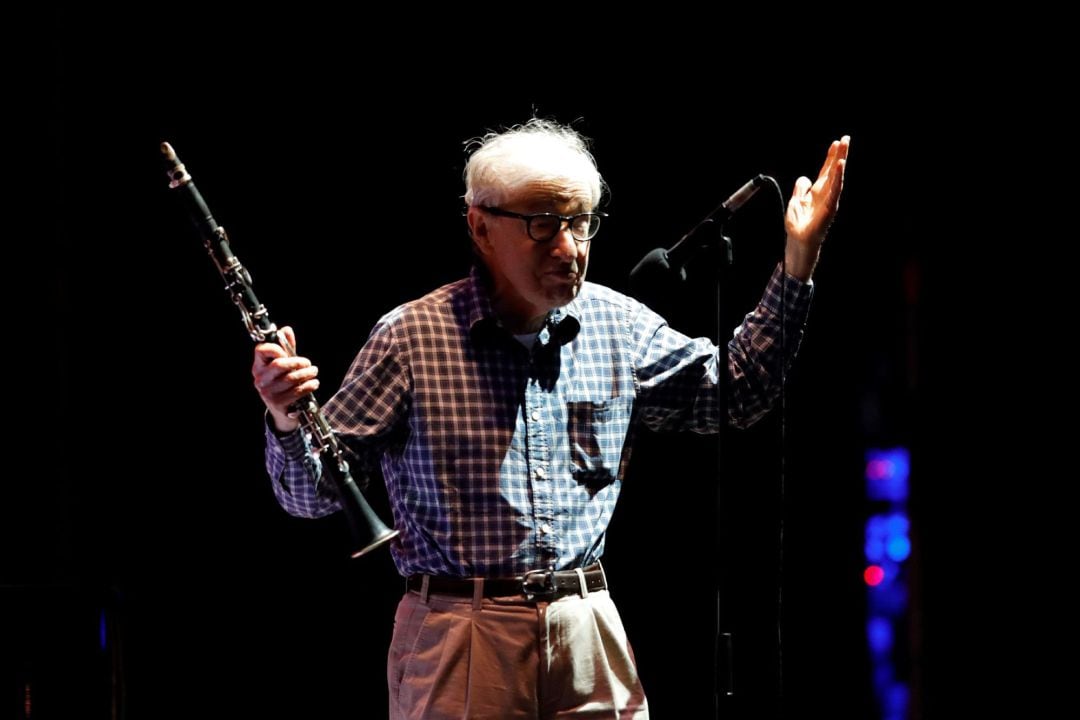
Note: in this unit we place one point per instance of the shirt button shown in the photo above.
(546, 528)
(535, 415)
(541, 473)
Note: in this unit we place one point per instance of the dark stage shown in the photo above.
(149, 567)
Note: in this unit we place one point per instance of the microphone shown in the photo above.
(661, 263)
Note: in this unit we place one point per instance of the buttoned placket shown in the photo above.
(539, 426)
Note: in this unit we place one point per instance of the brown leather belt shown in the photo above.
(535, 585)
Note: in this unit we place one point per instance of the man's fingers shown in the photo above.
(290, 337)
(271, 359)
(835, 173)
(306, 388)
(288, 364)
(837, 184)
(269, 351)
(280, 379)
(287, 391)
(802, 187)
(830, 156)
(302, 374)
(284, 380)
(838, 150)
(282, 395)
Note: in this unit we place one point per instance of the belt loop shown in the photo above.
(602, 573)
(477, 592)
(582, 583)
(424, 589)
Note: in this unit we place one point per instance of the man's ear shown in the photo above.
(479, 230)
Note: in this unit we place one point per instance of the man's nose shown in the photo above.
(564, 244)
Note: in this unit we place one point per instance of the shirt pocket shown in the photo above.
(597, 433)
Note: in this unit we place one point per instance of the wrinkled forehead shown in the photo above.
(563, 195)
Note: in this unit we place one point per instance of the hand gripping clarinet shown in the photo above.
(369, 532)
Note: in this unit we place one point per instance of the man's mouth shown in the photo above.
(568, 271)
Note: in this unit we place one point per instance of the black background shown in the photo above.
(335, 163)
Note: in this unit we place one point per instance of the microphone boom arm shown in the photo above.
(720, 215)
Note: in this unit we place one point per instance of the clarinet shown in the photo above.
(369, 532)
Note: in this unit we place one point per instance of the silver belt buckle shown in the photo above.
(538, 584)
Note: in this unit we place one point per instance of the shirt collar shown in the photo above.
(561, 326)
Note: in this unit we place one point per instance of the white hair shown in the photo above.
(538, 150)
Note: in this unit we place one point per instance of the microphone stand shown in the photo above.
(651, 281)
(723, 650)
(657, 280)
(709, 234)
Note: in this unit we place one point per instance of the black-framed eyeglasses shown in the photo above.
(542, 227)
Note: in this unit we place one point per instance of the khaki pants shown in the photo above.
(453, 658)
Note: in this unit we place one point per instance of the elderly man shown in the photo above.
(501, 410)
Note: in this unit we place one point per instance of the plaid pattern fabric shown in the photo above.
(498, 459)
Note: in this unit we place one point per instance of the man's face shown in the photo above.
(530, 278)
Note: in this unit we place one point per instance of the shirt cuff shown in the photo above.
(796, 293)
(292, 444)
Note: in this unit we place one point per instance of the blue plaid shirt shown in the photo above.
(498, 459)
